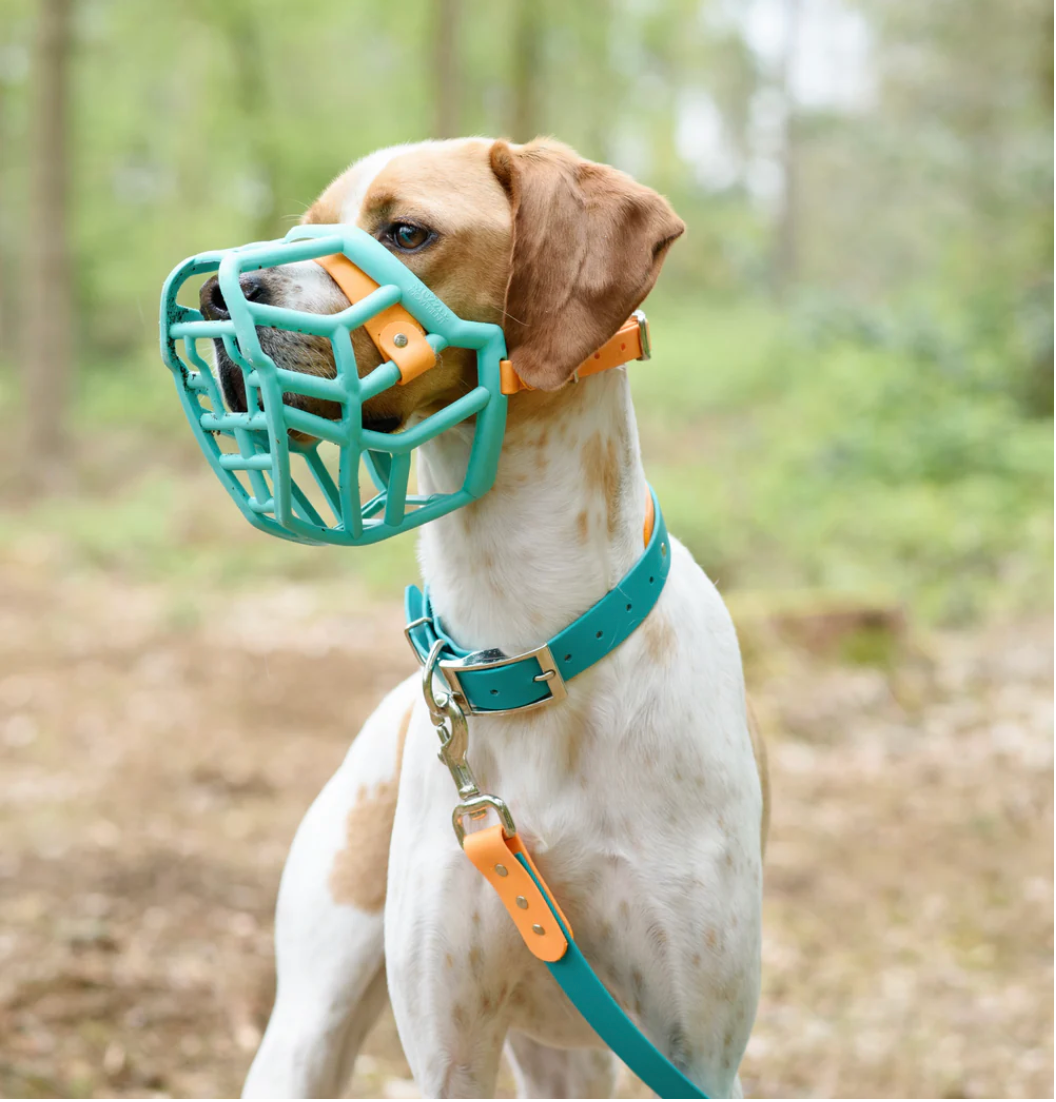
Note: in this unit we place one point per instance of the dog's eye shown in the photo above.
(408, 237)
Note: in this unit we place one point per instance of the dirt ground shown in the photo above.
(158, 752)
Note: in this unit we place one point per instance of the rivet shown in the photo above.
(522, 902)
(502, 870)
(400, 340)
(537, 929)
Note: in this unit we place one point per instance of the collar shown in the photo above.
(630, 342)
(399, 338)
(490, 682)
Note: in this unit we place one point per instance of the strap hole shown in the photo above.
(568, 658)
(651, 580)
(494, 692)
(599, 635)
(628, 608)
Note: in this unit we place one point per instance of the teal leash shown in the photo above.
(492, 683)
(606, 1017)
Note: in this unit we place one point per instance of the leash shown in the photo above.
(489, 682)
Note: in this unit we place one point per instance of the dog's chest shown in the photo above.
(644, 826)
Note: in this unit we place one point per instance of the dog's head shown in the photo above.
(555, 249)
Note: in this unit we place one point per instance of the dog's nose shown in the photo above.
(211, 298)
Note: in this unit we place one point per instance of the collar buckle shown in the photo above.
(643, 334)
(548, 675)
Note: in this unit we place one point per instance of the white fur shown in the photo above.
(638, 798)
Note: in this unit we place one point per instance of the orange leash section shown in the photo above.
(495, 857)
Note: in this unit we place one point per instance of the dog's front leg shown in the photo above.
(329, 928)
(445, 949)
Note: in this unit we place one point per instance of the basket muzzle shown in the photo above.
(292, 472)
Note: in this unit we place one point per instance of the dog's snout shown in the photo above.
(211, 298)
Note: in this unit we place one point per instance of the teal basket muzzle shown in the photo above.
(294, 473)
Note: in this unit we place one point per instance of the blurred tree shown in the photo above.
(447, 68)
(527, 69)
(7, 302)
(48, 347)
(786, 260)
(238, 23)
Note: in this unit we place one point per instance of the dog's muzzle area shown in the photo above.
(304, 286)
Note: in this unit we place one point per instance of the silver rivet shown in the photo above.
(400, 340)
(502, 870)
(537, 929)
(522, 902)
(663, 550)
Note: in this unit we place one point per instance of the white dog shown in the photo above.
(640, 796)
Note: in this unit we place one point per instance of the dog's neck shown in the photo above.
(560, 527)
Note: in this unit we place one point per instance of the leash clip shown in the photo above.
(452, 728)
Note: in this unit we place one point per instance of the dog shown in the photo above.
(642, 795)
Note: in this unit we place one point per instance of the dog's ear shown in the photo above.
(588, 245)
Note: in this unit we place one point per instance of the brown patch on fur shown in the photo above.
(763, 769)
(570, 751)
(448, 187)
(603, 473)
(582, 526)
(660, 640)
(359, 874)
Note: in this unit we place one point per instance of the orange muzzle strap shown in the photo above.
(399, 338)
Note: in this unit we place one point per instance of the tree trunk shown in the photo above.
(48, 345)
(527, 70)
(447, 71)
(239, 25)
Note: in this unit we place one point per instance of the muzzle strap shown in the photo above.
(397, 336)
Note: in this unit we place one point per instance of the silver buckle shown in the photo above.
(549, 674)
(643, 334)
(408, 628)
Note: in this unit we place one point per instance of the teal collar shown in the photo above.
(492, 683)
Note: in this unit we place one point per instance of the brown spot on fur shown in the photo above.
(660, 640)
(582, 526)
(711, 938)
(604, 476)
(763, 769)
(359, 874)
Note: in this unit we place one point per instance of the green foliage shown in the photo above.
(882, 462)
(886, 428)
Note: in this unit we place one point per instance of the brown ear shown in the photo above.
(588, 245)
